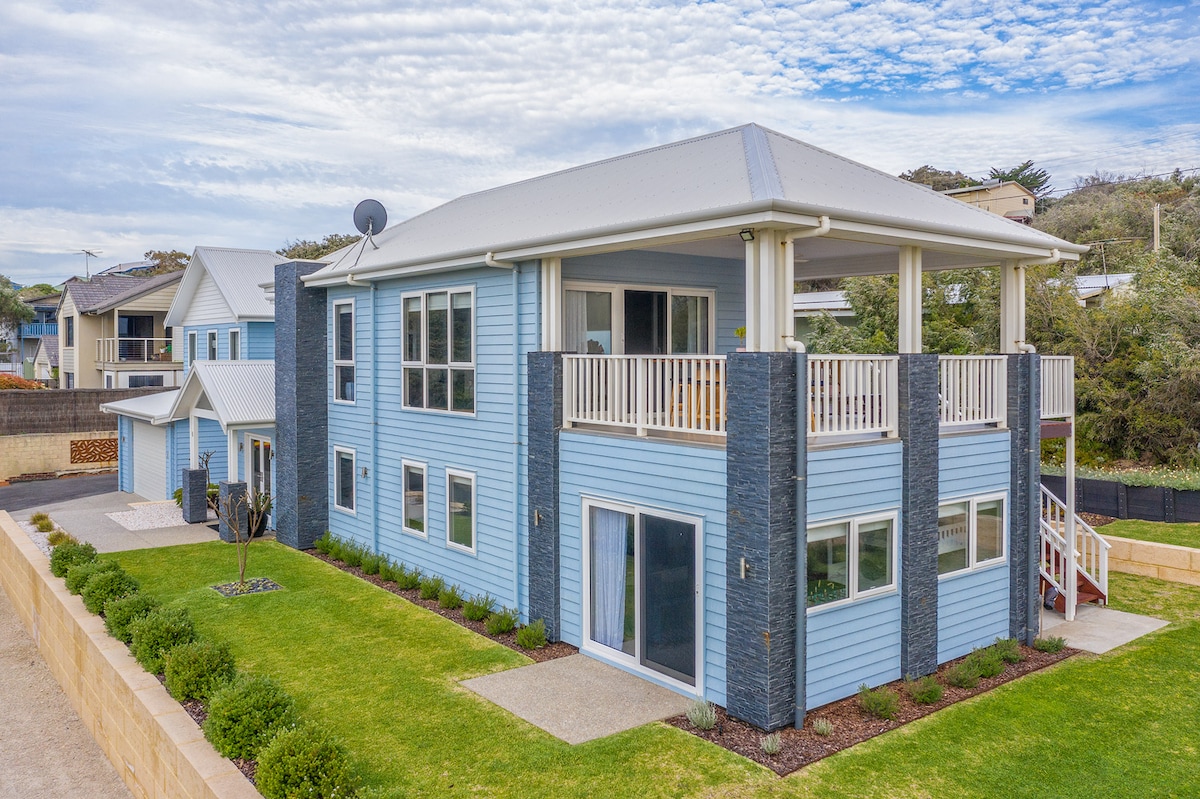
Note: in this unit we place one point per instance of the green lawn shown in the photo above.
(1180, 534)
(382, 674)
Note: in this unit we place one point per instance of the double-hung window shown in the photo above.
(212, 345)
(235, 344)
(460, 510)
(971, 534)
(413, 480)
(851, 559)
(343, 352)
(343, 479)
(439, 350)
(191, 353)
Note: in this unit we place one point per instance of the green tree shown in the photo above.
(167, 261)
(939, 179)
(1036, 180)
(36, 290)
(13, 312)
(304, 250)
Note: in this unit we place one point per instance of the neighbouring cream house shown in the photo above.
(1007, 198)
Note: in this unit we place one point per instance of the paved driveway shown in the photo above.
(24, 496)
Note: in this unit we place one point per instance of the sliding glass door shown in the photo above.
(642, 589)
(601, 319)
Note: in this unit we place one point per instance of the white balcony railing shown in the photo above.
(133, 350)
(973, 390)
(675, 393)
(1058, 386)
(852, 395)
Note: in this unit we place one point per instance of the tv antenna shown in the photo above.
(88, 255)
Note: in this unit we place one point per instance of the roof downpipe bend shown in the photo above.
(820, 230)
(490, 260)
(351, 280)
(1055, 257)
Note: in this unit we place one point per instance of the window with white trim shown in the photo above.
(212, 345)
(235, 344)
(460, 510)
(343, 479)
(851, 560)
(414, 504)
(971, 534)
(343, 352)
(191, 347)
(439, 350)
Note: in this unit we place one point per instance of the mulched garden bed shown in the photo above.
(1096, 520)
(851, 724)
(547, 652)
(256, 585)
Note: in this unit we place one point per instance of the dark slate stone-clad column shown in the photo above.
(301, 410)
(761, 624)
(195, 495)
(1024, 423)
(918, 403)
(231, 500)
(545, 420)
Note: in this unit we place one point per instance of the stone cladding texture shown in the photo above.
(1024, 424)
(918, 423)
(545, 420)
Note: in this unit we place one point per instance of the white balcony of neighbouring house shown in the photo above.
(134, 350)
(850, 397)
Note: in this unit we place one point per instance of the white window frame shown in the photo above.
(423, 468)
(617, 311)
(235, 344)
(450, 365)
(467, 475)
(212, 351)
(973, 501)
(634, 661)
(852, 551)
(193, 347)
(338, 451)
(351, 363)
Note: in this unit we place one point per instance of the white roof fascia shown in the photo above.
(153, 408)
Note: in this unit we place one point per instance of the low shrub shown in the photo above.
(1009, 650)
(964, 674)
(68, 554)
(79, 574)
(371, 563)
(304, 761)
(478, 608)
(924, 691)
(197, 669)
(987, 662)
(387, 571)
(157, 633)
(882, 703)
(38, 518)
(532, 635)
(500, 622)
(407, 579)
(60, 537)
(450, 597)
(120, 613)
(44, 526)
(702, 715)
(245, 714)
(106, 585)
(1052, 645)
(352, 554)
(770, 744)
(431, 587)
(823, 727)
(323, 543)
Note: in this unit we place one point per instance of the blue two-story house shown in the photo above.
(225, 332)
(581, 394)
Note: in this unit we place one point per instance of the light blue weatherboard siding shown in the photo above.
(213, 439)
(202, 332)
(858, 642)
(125, 454)
(973, 606)
(680, 478)
(669, 270)
(258, 341)
(481, 443)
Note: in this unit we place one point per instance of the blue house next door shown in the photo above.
(640, 571)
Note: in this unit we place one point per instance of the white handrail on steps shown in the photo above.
(1090, 551)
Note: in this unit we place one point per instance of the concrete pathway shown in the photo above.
(45, 751)
(1096, 629)
(578, 698)
(86, 520)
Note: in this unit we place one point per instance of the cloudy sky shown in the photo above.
(129, 125)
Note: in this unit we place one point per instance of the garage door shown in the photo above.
(150, 461)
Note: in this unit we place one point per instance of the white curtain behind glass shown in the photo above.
(608, 577)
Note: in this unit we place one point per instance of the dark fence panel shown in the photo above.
(1099, 496)
(1108, 498)
(72, 410)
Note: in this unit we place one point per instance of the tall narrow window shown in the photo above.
(191, 352)
(343, 479)
(414, 498)
(212, 345)
(439, 351)
(70, 320)
(343, 352)
(460, 510)
(235, 344)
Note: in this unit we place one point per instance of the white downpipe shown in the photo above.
(516, 434)
(351, 280)
(490, 260)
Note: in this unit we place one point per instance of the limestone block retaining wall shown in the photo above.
(1164, 561)
(60, 453)
(151, 741)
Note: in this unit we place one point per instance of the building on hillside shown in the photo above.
(225, 408)
(1007, 198)
(113, 332)
(43, 323)
(537, 392)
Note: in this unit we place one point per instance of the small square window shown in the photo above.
(971, 533)
(849, 560)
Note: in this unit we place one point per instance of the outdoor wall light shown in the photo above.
(747, 234)
(364, 471)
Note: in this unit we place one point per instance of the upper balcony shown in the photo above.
(850, 397)
(134, 351)
(39, 329)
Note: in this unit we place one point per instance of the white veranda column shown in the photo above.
(753, 325)
(1012, 307)
(552, 323)
(910, 300)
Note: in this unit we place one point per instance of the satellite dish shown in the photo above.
(370, 217)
